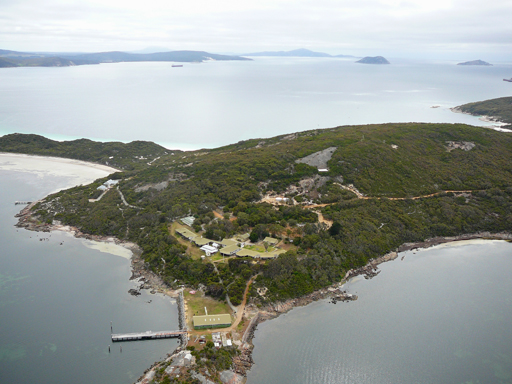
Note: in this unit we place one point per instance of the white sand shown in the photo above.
(78, 172)
(75, 172)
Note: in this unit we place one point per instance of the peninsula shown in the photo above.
(62, 59)
(285, 219)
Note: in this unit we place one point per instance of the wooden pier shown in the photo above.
(146, 335)
(22, 202)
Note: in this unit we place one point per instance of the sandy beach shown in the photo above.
(75, 172)
(78, 172)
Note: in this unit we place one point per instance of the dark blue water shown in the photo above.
(442, 315)
(57, 301)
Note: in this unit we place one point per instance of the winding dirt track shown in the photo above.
(241, 308)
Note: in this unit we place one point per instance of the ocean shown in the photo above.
(217, 103)
(58, 297)
(440, 315)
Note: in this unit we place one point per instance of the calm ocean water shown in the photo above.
(57, 301)
(442, 315)
(217, 103)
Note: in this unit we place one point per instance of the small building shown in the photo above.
(272, 255)
(102, 188)
(242, 238)
(184, 232)
(110, 183)
(270, 241)
(200, 241)
(209, 250)
(227, 242)
(248, 252)
(212, 321)
(189, 220)
(230, 250)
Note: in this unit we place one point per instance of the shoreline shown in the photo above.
(243, 363)
(497, 125)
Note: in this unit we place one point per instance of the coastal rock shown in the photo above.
(230, 377)
(133, 292)
(373, 60)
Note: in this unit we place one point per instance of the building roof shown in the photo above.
(186, 233)
(272, 255)
(201, 321)
(243, 237)
(229, 250)
(200, 241)
(270, 240)
(189, 220)
(227, 242)
(209, 248)
(248, 252)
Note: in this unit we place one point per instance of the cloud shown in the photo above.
(226, 25)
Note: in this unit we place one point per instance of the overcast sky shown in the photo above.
(457, 29)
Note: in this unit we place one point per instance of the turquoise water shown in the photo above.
(225, 102)
(57, 301)
(442, 315)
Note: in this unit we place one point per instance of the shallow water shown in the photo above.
(58, 297)
(442, 315)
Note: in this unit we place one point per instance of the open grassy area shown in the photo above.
(260, 248)
(196, 304)
(192, 250)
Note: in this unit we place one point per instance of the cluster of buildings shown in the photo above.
(227, 247)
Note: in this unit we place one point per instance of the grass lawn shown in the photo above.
(259, 248)
(196, 304)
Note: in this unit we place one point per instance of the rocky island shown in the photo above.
(475, 62)
(373, 60)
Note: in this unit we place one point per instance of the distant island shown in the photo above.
(295, 53)
(373, 60)
(475, 62)
(29, 59)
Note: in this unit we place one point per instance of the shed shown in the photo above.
(270, 240)
(189, 235)
(242, 238)
(189, 220)
(212, 321)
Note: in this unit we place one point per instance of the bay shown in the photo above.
(442, 315)
(217, 103)
(58, 297)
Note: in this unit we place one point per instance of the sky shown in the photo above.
(451, 29)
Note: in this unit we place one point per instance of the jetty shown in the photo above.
(22, 202)
(147, 335)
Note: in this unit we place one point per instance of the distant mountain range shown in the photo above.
(295, 53)
(29, 59)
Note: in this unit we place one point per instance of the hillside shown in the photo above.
(499, 109)
(385, 185)
(115, 154)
